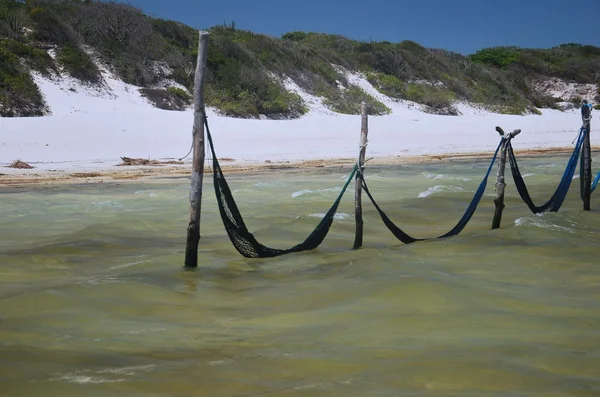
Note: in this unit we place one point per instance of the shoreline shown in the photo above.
(117, 173)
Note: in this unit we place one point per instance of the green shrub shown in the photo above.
(78, 64)
(50, 28)
(19, 95)
(499, 56)
(295, 36)
(274, 102)
(349, 101)
(244, 67)
(516, 110)
(597, 106)
(434, 97)
(387, 84)
(535, 111)
(177, 34)
(165, 99)
(410, 45)
(12, 18)
(545, 102)
(180, 93)
(35, 58)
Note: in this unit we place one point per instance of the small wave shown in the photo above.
(128, 370)
(527, 175)
(101, 280)
(270, 184)
(308, 191)
(150, 193)
(448, 177)
(541, 222)
(376, 178)
(107, 204)
(129, 264)
(439, 188)
(454, 178)
(338, 216)
(301, 193)
(140, 332)
(85, 379)
(85, 376)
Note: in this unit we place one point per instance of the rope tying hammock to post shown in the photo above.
(557, 199)
(407, 239)
(244, 241)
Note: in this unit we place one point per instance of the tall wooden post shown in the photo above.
(193, 229)
(364, 130)
(500, 181)
(587, 157)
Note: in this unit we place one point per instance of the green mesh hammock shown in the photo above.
(238, 233)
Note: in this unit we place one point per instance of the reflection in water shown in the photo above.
(94, 300)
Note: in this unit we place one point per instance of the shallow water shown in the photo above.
(94, 301)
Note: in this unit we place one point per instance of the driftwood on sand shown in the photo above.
(128, 161)
(21, 165)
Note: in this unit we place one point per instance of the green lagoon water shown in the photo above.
(94, 301)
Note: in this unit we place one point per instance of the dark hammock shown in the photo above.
(242, 239)
(557, 199)
(406, 239)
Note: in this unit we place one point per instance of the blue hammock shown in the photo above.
(557, 199)
(596, 180)
(407, 239)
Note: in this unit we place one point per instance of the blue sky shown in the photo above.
(458, 25)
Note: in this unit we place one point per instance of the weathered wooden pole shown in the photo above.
(193, 229)
(587, 156)
(500, 181)
(364, 131)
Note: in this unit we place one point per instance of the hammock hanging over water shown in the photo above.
(247, 245)
(557, 199)
(407, 239)
(238, 233)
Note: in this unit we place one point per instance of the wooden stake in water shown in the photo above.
(193, 230)
(587, 157)
(500, 181)
(364, 130)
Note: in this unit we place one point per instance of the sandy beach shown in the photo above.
(90, 129)
(16, 177)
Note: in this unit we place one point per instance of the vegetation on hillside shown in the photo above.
(246, 71)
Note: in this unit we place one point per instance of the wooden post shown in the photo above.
(587, 157)
(500, 181)
(364, 130)
(193, 229)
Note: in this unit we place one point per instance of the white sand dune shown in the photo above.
(91, 129)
